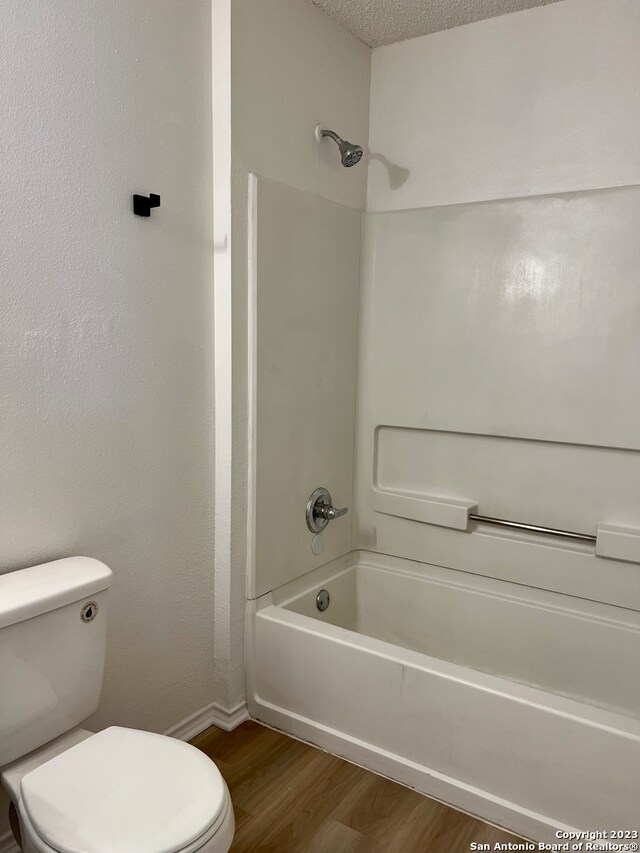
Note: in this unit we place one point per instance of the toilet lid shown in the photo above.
(124, 790)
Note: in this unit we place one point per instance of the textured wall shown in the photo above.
(542, 101)
(105, 327)
(388, 21)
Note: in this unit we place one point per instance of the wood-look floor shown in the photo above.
(289, 796)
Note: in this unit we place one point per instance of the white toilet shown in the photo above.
(118, 791)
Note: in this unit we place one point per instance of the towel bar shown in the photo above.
(533, 528)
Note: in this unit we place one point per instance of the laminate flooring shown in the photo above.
(289, 796)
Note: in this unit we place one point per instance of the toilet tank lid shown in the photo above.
(30, 592)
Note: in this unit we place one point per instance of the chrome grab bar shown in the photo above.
(533, 528)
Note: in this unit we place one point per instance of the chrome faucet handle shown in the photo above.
(330, 512)
(320, 510)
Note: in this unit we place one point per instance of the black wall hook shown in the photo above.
(142, 205)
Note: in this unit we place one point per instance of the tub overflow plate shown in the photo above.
(323, 600)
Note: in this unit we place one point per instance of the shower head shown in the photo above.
(350, 154)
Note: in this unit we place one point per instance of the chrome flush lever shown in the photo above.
(320, 510)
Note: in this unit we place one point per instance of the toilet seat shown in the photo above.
(127, 791)
(217, 839)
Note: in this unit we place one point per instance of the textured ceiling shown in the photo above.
(378, 22)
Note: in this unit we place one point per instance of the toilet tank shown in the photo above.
(53, 621)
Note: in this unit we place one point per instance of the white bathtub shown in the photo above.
(517, 705)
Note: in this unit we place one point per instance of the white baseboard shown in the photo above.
(210, 715)
(8, 843)
(228, 720)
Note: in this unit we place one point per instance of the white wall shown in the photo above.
(105, 323)
(541, 101)
(291, 67)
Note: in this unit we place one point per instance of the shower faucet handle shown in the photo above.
(330, 512)
(320, 510)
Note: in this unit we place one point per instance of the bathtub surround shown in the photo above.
(519, 399)
(527, 385)
(498, 369)
(105, 329)
(497, 364)
(305, 274)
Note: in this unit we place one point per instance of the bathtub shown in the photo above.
(517, 705)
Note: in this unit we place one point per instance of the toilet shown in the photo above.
(118, 791)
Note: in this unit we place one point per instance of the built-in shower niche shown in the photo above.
(547, 483)
(428, 481)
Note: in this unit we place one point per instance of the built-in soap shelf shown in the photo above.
(429, 509)
(611, 541)
(618, 543)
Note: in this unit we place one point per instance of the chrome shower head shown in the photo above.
(350, 154)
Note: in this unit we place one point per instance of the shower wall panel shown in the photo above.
(500, 365)
(305, 259)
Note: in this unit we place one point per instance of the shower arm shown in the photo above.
(332, 135)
